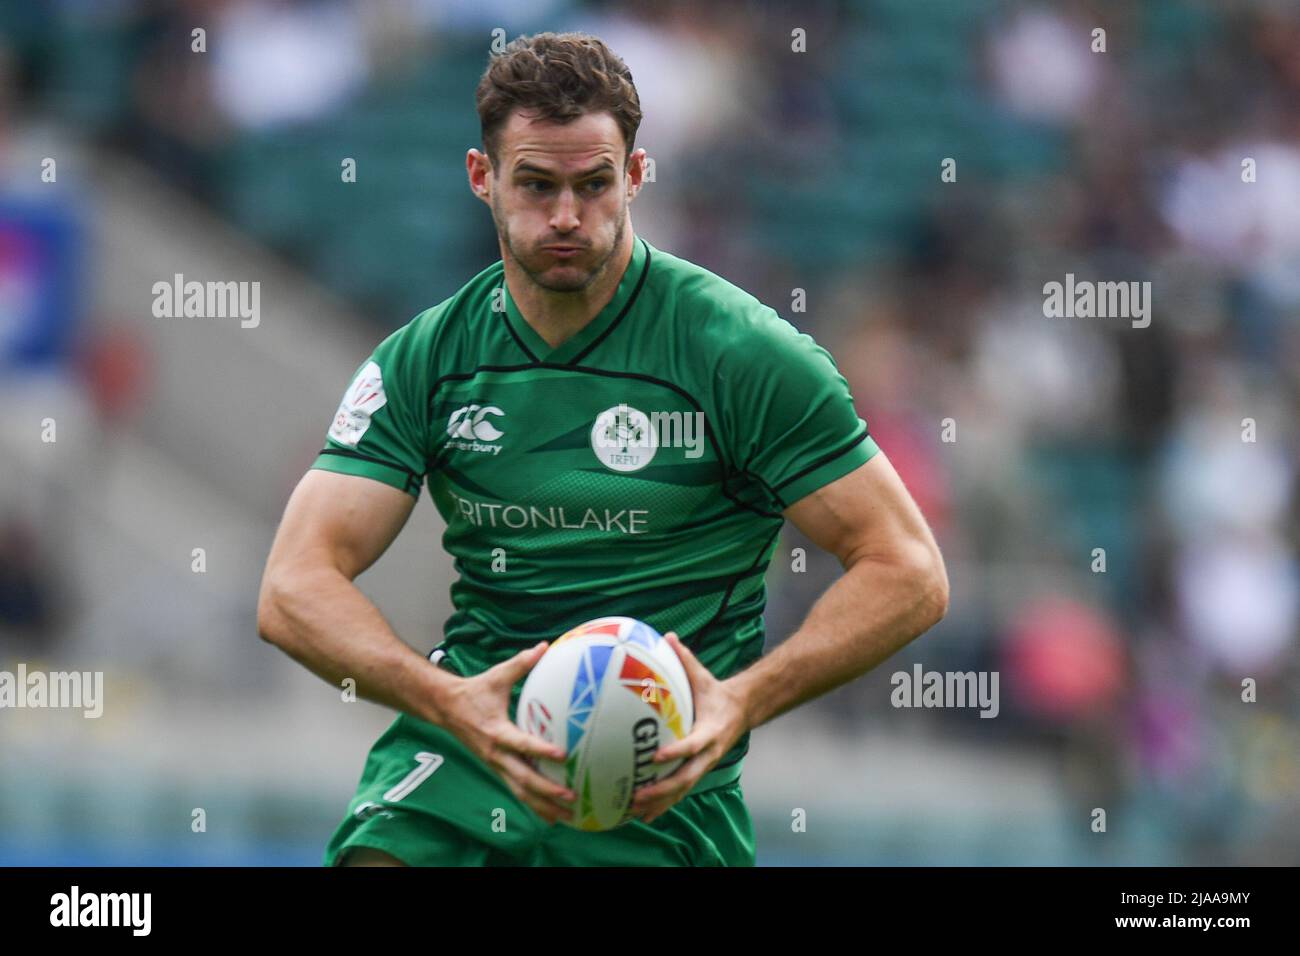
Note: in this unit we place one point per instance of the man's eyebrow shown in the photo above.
(530, 168)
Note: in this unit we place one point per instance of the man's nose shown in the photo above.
(564, 217)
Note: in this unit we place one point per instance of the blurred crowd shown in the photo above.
(1117, 505)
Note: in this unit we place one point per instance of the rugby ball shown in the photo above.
(610, 693)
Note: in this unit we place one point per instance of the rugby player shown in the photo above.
(607, 429)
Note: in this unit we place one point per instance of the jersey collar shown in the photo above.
(573, 349)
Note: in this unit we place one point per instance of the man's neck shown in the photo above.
(558, 316)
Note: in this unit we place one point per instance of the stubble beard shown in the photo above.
(559, 285)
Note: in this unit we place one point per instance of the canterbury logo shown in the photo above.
(469, 423)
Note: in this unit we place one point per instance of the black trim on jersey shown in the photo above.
(766, 487)
(344, 453)
(853, 443)
(451, 376)
(732, 762)
(748, 572)
(645, 270)
(515, 335)
(627, 306)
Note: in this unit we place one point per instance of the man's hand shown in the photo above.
(720, 719)
(476, 709)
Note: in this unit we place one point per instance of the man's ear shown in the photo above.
(478, 166)
(636, 171)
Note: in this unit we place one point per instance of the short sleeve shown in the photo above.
(380, 430)
(788, 415)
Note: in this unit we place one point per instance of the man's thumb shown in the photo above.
(514, 669)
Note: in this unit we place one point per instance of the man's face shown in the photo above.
(559, 196)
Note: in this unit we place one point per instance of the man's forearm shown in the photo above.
(322, 620)
(870, 612)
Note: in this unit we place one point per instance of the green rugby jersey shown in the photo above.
(639, 468)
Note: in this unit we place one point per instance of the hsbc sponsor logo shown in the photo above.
(471, 429)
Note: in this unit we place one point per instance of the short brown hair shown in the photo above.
(561, 76)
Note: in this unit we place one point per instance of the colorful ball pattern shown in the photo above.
(610, 692)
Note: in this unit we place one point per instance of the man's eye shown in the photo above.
(541, 185)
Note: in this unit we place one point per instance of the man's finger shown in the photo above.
(652, 793)
(536, 782)
(655, 808)
(689, 660)
(546, 811)
(515, 739)
(538, 806)
(688, 746)
(673, 787)
(545, 796)
(663, 791)
(512, 670)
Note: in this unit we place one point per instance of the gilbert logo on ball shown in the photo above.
(610, 692)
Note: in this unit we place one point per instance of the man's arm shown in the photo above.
(334, 527)
(894, 587)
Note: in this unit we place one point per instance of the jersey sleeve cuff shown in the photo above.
(353, 463)
(837, 466)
